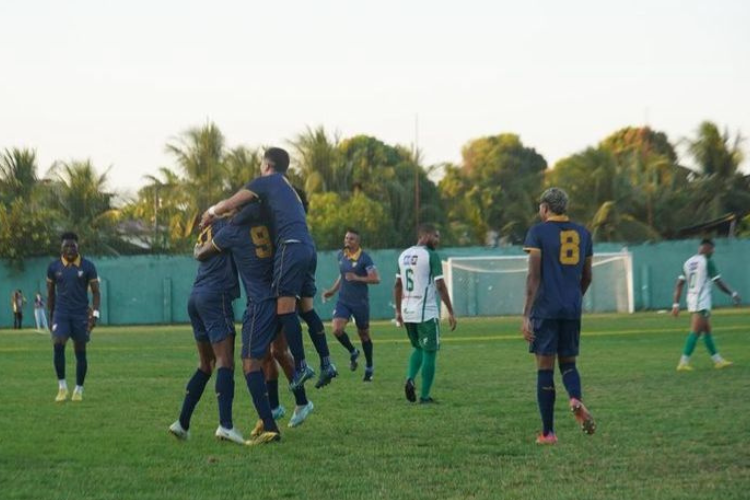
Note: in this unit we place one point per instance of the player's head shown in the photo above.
(275, 160)
(706, 247)
(554, 201)
(352, 239)
(69, 245)
(429, 236)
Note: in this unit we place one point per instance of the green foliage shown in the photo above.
(24, 233)
(330, 215)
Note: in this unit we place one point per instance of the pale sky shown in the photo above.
(115, 81)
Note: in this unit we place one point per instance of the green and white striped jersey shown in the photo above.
(700, 272)
(418, 269)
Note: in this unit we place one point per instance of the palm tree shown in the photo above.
(320, 162)
(18, 174)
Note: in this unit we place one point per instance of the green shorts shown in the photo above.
(425, 335)
(704, 313)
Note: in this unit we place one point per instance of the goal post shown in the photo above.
(496, 286)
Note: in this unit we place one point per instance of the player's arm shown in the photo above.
(725, 288)
(587, 276)
(446, 298)
(398, 296)
(96, 300)
(678, 286)
(238, 199)
(372, 277)
(327, 294)
(206, 250)
(50, 297)
(533, 279)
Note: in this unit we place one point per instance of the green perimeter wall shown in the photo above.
(154, 289)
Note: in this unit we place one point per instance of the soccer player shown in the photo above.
(560, 254)
(295, 260)
(212, 318)
(68, 281)
(420, 275)
(357, 271)
(699, 271)
(280, 355)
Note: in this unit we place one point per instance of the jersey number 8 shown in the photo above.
(570, 250)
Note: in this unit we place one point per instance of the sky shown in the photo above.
(114, 82)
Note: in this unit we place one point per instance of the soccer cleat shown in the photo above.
(300, 414)
(179, 432)
(264, 438)
(278, 413)
(353, 360)
(427, 401)
(257, 430)
(224, 434)
(300, 377)
(548, 439)
(583, 416)
(410, 390)
(62, 395)
(722, 364)
(369, 373)
(684, 367)
(77, 395)
(326, 375)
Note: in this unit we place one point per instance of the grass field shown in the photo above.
(661, 434)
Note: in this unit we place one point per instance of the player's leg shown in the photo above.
(37, 321)
(429, 339)
(362, 320)
(80, 334)
(271, 374)
(318, 336)
(194, 389)
(545, 346)
(415, 362)
(567, 352)
(303, 407)
(341, 315)
(708, 339)
(60, 334)
(696, 328)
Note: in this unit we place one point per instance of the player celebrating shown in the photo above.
(68, 282)
(560, 254)
(295, 260)
(420, 274)
(699, 271)
(212, 317)
(357, 271)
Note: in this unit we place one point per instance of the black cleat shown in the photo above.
(369, 372)
(410, 390)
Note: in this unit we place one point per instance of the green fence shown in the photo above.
(154, 289)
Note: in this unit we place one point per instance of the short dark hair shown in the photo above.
(69, 236)
(707, 241)
(426, 228)
(278, 158)
(352, 230)
(556, 199)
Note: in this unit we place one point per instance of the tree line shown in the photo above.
(631, 187)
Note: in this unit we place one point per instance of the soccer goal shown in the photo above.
(493, 286)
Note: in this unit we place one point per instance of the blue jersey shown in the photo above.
(285, 207)
(252, 252)
(218, 274)
(71, 281)
(564, 246)
(354, 292)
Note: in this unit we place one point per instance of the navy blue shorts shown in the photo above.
(361, 314)
(74, 326)
(556, 337)
(212, 316)
(260, 326)
(294, 266)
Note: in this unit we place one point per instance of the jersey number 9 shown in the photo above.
(262, 241)
(570, 248)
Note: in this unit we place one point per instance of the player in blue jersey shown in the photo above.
(212, 317)
(356, 272)
(560, 254)
(68, 281)
(295, 260)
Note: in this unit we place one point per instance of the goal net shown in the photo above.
(493, 286)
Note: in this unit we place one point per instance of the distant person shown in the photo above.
(356, 272)
(68, 281)
(699, 271)
(418, 282)
(17, 301)
(560, 254)
(40, 315)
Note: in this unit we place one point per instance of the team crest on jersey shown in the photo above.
(58, 274)
(80, 274)
(354, 264)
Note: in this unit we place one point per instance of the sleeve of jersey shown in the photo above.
(532, 242)
(222, 240)
(436, 266)
(369, 264)
(258, 186)
(93, 275)
(50, 273)
(713, 272)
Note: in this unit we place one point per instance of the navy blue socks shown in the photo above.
(571, 379)
(293, 332)
(545, 395)
(256, 384)
(82, 366)
(193, 393)
(225, 395)
(60, 361)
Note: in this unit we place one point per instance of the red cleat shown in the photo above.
(548, 439)
(583, 416)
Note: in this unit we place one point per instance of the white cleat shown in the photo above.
(300, 414)
(232, 435)
(179, 432)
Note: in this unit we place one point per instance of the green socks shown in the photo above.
(692, 339)
(415, 363)
(428, 372)
(709, 340)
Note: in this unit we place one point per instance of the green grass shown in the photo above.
(661, 435)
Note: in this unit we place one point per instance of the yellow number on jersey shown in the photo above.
(262, 241)
(570, 250)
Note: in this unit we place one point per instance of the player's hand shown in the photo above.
(736, 299)
(327, 294)
(206, 220)
(527, 330)
(92, 322)
(399, 319)
(350, 276)
(675, 310)
(452, 322)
